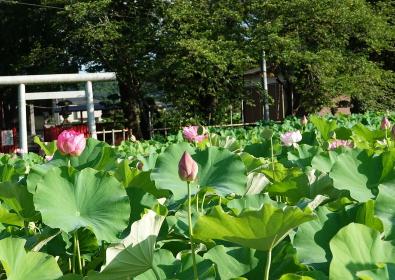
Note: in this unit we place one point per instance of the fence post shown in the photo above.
(32, 120)
(90, 108)
(22, 118)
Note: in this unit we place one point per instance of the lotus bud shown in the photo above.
(71, 142)
(304, 121)
(385, 124)
(187, 168)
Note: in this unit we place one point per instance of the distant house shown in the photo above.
(280, 102)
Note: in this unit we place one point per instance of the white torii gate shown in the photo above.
(22, 81)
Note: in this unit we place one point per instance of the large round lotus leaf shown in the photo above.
(135, 254)
(86, 198)
(311, 241)
(260, 230)
(219, 169)
(222, 170)
(302, 155)
(358, 173)
(20, 265)
(356, 248)
(165, 173)
(232, 262)
(385, 208)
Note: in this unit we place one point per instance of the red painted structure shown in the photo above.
(10, 148)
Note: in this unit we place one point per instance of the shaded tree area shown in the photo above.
(30, 43)
(194, 53)
(328, 48)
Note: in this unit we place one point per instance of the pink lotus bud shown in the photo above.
(71, 142)
(304, 121)
(191, 133)
(187, 168)
(340, 143)
(291, 138)
(385, 124)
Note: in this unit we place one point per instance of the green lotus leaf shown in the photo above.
(232, 262)
(324, 161)
(20, 265)
(252, 163)
(38, 171)
(260, 230)
(86, 198)
(364, 137)
(251, 202)
(16, 196)
(356, 248)
(385, 208)
(323, 126)
(135, 254)
(165, 173)
(256, 183)
(358, 173)
(219, 169)
(165, 265)
(294, 188)
(263, 149)
(382, 272)
(10, 218)
(290, 276)
(303, 155)
(311, 240)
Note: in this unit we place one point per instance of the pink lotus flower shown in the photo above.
(291, 138)
(191, 133)
(304, 121)
(187, 168)
(337, 143)
(71, 142)
(385, 124)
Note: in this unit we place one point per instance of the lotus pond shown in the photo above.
(264, 205)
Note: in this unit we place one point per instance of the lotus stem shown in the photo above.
(77, 249)
(268, 263)
(156, 273)
(204, 197)
(74, 254)
(195, 273)
(197, 202)
(271, 146)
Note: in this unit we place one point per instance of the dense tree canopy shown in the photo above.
(194, 52)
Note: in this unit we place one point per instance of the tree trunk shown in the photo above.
(135, 109)
(131, 100)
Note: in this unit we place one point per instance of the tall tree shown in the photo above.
(29, 44)
(203, 56)
(324, 48)
(118, 36)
